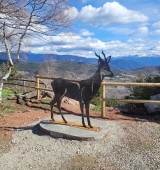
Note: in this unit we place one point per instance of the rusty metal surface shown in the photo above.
(76, 125)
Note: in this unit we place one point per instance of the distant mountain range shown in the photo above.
(123, 63)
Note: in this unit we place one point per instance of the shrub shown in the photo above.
(97, 103)
(144, 92)
(112, 103)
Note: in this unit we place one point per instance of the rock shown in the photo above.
(47, 94)
(31, 94)
(12, 97)
(121, 109)
(21, 98)
(152, 108)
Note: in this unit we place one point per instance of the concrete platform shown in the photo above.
(72, 132)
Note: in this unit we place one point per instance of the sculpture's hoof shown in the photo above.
(84, 125)
(90, 126)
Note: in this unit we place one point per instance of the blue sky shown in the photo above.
(120, 28)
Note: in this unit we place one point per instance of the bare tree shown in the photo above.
(48, 68)
(27, 18)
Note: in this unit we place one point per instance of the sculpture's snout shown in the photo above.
(111, 75)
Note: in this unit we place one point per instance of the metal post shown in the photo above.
(37, 86)
(103, 92)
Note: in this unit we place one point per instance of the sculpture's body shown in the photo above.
(82, 91)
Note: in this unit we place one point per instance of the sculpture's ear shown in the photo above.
(108, 59)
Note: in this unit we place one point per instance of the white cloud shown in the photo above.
(84, 1)
(110, 12)
(140, 30)
(156, 25)
(139, 40)
(118, 30)
(74, 44)
(71, 13)
(85, 47)
(156, 32)
(144, 24)
(85, 32)
(156, 11)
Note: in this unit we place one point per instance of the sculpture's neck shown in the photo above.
(96, 81)
(97, 76)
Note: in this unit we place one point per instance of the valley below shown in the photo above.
(80, 71)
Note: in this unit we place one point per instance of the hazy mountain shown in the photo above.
(146, 70)
(123, 63)
(153, 60)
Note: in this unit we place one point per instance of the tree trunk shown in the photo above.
(3, 78)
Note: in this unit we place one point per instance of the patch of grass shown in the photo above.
(108, 104)
(97, 105)
(10, 107)
(97, 108)
(46, 103)
(6, 92)
(4, 145)
(22, 109)
(5, 109)
(81, 162)
(112, 103)
(141, 146)
(157, 164)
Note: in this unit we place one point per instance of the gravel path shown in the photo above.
(132, 146)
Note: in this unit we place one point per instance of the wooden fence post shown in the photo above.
(103, 94)
(24, 83)
(37, 86)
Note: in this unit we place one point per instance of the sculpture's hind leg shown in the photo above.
(82, 111)
(52, 104)
(59, 107)
(87, 114)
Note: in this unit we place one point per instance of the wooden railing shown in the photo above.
(103, 98)
(23, 83)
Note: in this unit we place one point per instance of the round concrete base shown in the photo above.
(58, 130)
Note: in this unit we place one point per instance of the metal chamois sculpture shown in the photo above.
(83, 91)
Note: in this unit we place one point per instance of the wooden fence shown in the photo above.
(24, 83)
(103, 98)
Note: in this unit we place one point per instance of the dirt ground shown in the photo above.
(35, 111)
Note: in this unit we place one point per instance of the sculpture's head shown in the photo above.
(104, 64)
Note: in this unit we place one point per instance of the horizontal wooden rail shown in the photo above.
(132, 101)
(39, 88)
(20, 85)
(52, 78)
(22, 80)
(130, 84)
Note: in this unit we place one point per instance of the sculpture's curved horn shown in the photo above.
(104, 55)
(100, 59)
